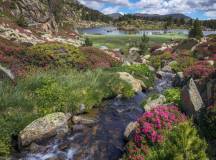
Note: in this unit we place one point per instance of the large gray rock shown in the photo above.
(136, 84)
(151, 103)
(191, 100)
(45, 127)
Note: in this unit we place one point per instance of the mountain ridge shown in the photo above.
(145, 15)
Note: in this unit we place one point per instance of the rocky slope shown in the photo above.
(48, 15)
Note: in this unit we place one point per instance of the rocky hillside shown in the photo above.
(48, 15)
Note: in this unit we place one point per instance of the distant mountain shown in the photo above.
(115, 15)
(175, 16)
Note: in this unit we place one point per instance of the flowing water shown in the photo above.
(103, 140)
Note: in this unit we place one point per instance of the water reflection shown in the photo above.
(115, 31)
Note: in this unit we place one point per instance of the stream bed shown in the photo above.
(103, 140)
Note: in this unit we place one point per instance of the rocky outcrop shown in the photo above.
(137, 85)
(51, 15)
(18, 35)
(36, 13)
(26, 36)
(191, 100)
(45, 127)
(151, 103)
(207, 89)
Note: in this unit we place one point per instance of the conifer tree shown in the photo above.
(196, 30)
(143, 46)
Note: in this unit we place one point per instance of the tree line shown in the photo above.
(168, 20)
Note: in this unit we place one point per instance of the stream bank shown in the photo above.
(104, 138)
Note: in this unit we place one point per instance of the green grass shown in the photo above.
(123, 41)
(139, 71)
(60, 90)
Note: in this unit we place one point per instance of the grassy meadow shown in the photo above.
(124, 41)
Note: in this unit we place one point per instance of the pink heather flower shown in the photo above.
(159, 118)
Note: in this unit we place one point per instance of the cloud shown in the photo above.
(211, 14)
(110, 10)
(92, 4)
(208, 7)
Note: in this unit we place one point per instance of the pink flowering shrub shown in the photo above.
(151, 128)
(200, 69)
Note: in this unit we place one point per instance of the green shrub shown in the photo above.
(158, 61)
(56, 54)
(183, 62)
(11, 122)
(173, 96)
(208, 121)
(21, 22)
(139, 71)
(144, 44)
(88, 42)
(1, 14)
(181, 143)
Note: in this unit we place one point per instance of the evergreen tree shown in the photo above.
(88, 42)
(143, 46)
(196, 30)
(190, 22)
(182, 21)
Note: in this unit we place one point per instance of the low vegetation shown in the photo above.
(173, 96)
(55, 54)
(165, 133)
(123, 42)
(97, 58)
(207, 122)
(53, 91)
(139, 71)
(200, 69)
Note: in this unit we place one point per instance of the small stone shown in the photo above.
(82, 108)
(78, 127)
(82, 119)
(35, 148)
(151, 103)
(129, 129)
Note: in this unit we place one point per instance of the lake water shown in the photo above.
(115, 31)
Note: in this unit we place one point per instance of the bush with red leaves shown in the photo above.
(98, 58)
(206, 49)
(201, 69)
(10, 56)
